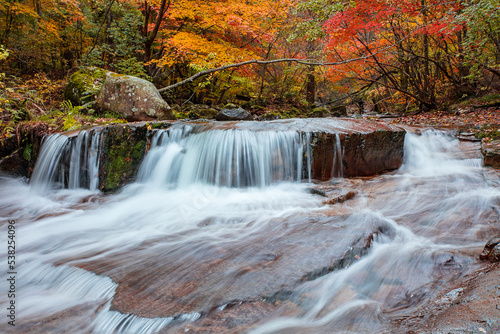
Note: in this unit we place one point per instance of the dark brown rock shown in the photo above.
(19, 152)
(341, 199)
(15, 164)
(491, 250)
(134, 98)
(494, 255)
(363, 153)
(339, 111)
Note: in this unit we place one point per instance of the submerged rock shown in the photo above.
(234, 114)
(133, 98)
(314, 191)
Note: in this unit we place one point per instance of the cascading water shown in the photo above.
(84, 163)
(225, 158)
(47, 165)
(233, 249)
(82, 170)
(185, 155)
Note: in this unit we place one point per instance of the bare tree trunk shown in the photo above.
(311, 86)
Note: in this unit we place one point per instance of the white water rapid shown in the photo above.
(219, 227)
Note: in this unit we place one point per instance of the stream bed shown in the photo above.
(200, 244)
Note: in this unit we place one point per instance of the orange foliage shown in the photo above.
(210, 34)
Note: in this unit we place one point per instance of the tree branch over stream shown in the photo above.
(308, 62)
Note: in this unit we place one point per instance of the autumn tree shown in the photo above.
(414, 48)
(41, 35)
(482, 40)
(193, 36)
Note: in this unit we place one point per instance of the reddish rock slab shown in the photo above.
(491, 153)
(470, 305)
(162, 279)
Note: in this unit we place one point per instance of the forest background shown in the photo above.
(385, 56)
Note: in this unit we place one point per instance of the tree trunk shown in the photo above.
(311, 86)
(148, 44)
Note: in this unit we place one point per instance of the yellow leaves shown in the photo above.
(4, 53)
(202, 53)
(17, 8)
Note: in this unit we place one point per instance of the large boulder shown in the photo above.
(234, 114)
(83, 86)
(133, 98)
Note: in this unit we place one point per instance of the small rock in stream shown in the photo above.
(491, 251)
(341, 199)
(314, 191)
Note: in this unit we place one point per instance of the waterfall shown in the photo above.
(84, 163)
(338, 154)
(68, 162)
(48, 163)
(187, 154)
(226, 158)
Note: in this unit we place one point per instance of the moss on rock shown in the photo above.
(123, 150)
(83, 86)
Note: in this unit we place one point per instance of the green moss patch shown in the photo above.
(123, 151)
(84, 85)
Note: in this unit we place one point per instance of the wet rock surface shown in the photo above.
(491, 251)
(217, 276)
(470, 305)
(356, 254)
(491, 153)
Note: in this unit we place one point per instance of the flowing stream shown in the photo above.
(222, 225)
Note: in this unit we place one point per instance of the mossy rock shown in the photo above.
(200, 111)
(123, 150)
(269, 116)
(339, 111)
(84, 85)
(319, 112)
